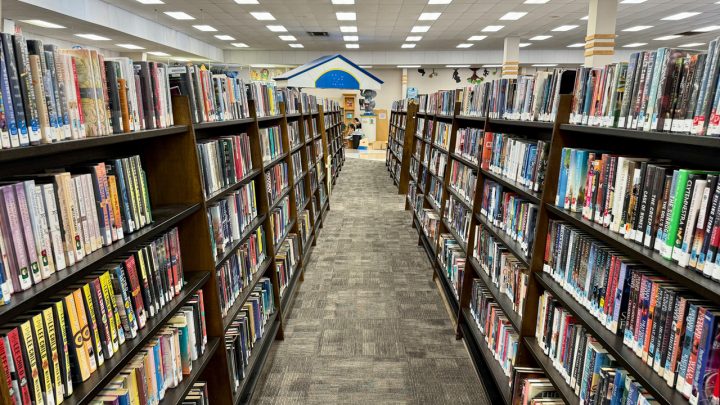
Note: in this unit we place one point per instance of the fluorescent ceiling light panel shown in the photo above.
(129, 46)
(246, 1)
(93, 37)
(513, 15)
(492, 66)
(350, 38)
(240, 45)
(179, 15)
(43, 23)
(465, 45)
(565, 28)
(692, 45)
(524, 44)
(540, 37)
(576, 45)
(587, 17)
(493, 28)
(429, 16)
(681, 16)
(708, 28)
(178, 59)
(296, 45)
(276, 28)
(343, 1)
(346, 16)
(288, 37)
(408, 66)
(262, 15)
(206, 28)
(366, 66)
(477, 37)
(413, 38)
(536, 1)
(667, 37)
(632, 1)
(457, 66)
(635, 45)
(348, 28)
(352, 46)
(439, 1)
(150, 1)
(420, 28)
(224, 37)
(158, 53)
(638, 28)
(544, 64)
(406, 46)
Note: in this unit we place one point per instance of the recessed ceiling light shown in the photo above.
(457, 66)
(408, 66)
(348, 28)
(346, 16)
(544, 64)
(585, 18)
(262, 15)
(276, 28)
(179, 59)
(536, 1)
(288, 37)
(540, 37)
(692, 45)
(708, 28)
(350, 38)
(492, 66)
(43, 23)
(246, 1)
(129, 46)
(465, 45)
(352, 46)
(477, 37)
(632, 1)
(206, 28)
(366, 66)
(296, 45)
(576, 45)
(635, 45)
(638, 28)
(667, 37)
(224, 37)
(150, 1)
(524, 44)
(408, 46)
(513, 15)
(493, 28)
(343, 1)
(420, 28)
(681, 16)
(240, 45)
(92, 37)
(565, 28)
(179, 15)
(158, 53)
(413, 38)
(429, 16)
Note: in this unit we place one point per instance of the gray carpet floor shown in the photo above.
(368, 325)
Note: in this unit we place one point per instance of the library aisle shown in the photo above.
(368, 325)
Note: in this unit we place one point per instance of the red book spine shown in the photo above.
(14, 339)
(77, 91)
(6, 370)
(487, 150)
(136, 294)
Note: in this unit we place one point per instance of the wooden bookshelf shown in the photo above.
(399, 162)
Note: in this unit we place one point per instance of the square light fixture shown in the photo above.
(536, 1)
(296, 45)
(477, 37)
(240, 45)
(587, 17)
(407, 46)
(150, 1)
(408, 66)
(457, 66)
(563, 28)
(464, 45)
(413, 38)
(540, 37)
(493, 28)
(681, 16)
(158, 53)
(346, 16)
(513, 15)
(206, 28)
(692, 45)
(366, 66)
(708, 28)
(276, 28)
(439, 1)
(348, 28)
(576, 45)
(343, 1)
(246, 1)
(638, 28)
(420, 28)
(93, 37)
(352, 46)
(262, 15)
(667, 37)
(43, 23)
(544, 64)
(632, 1)
(492, 66)
(288, 37)
(635, 45)
(429, 16)
(224, 37)
(179, 59)
(350, 38)
(129, 46)
(524, 44)
(179, 15)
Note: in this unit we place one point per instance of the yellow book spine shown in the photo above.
(93, 324)
(26, 330)
(49, 320)
(116, 332)
(77, 341)
(46, 375)
(85, 329)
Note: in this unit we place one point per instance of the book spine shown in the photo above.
(64, 345)
(28, 349)
(22, 63)
(76, 342)
(54, 354)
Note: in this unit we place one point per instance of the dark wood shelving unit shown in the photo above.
(220, 194)
(175, 396)
(240, 300)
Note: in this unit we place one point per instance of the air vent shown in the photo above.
(688, 33)
(318, 33)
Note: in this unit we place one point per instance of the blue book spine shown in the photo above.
(562, 180)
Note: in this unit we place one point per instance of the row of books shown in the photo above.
(292, 99)
(518, 159)
(442, 136)
(300, 196)
(463, 180)
(236, 273)
(666, 326)
(318, 150)
(532, 387)
(587, 367)
(51, 221)
(652, 203)
(438, 161)
(429, 130)
(247, 329)
(458, 216)
(329, 105)
(420, 126)
(164, 362)
(198, 395)
(400, 105)
(309, 103)
(267, 102)
(277, 180)
(305, 228)
(510, 213)
(230, 217)
(414, 167)
(294, 138)
(87, 324)
(330, 120)
(213, 95)
(508, 274)
(311, 130)
(297, 164)
(280, 220)
(224, 161)
(322, 193)
(469, 142)
(430, 223)
(287, 259)
(452, 261)
(398, 120)
(435, 191)
(271, 143)
(418, 150)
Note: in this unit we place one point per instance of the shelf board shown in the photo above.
(428, 247)
(459, 197)
(505, 303)
(240, 300)
(444, 117)
(439, 148)
(257, 360)
(249, 230)
(467, 162)
(498, 374)
(292, 115)
(304, 205)
(175, 396)
(279, 198)
(448, 290)
(218, 124)
(269, 118)
(164, 218)
(520, 123)
(513, 246)
(300, 178)
(290, 289)
(36, 151)
(625, 356)
(432, 204)
(419, 137)
(647, 136)
(455, 235)
(692, 279)
(218, 195)
(272, 162)
(296, 148)
(566, 392)
(523, 191)
(470, 118)
(86, 392)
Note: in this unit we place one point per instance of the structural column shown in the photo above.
(511, 57)
(403, 83)
(600, 38)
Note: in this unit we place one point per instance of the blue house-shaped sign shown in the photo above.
(330, 72)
